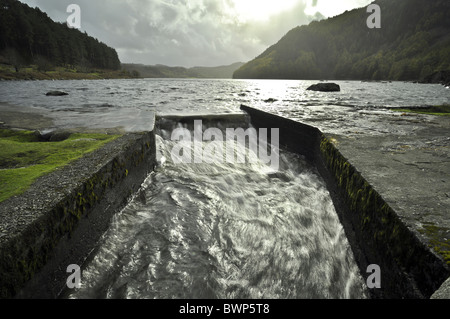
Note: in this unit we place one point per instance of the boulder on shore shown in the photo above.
(52, 136)
(56, 93)
(325, 87)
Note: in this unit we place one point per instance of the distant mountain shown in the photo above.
(28, 36)
(412, 43)
(163, 71)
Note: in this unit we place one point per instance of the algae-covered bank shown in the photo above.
(60, 212)
(25, 156)
(438, 110)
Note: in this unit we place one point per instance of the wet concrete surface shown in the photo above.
(390, 203)
(443, 292)
(81, 120)
(24, 118)
(410, 168)
(406, 158)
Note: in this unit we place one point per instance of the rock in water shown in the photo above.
(325, 87)
(56, 93)
(52, 136)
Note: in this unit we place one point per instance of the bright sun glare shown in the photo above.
(262, 9)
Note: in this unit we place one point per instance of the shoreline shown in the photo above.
(31, 73)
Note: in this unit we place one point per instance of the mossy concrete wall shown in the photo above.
(59, 220)
(410, 269)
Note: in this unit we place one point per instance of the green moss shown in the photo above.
(64, 218)
(437, 240)
(374, 220)
(23, 158)
(439, 110)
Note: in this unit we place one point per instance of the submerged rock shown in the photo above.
(325, 87)
(56, 93)
(52, 136)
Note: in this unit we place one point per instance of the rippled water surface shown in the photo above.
(130, 103)
(225, 231)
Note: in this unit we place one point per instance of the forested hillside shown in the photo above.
(413, 42)
(29, 36)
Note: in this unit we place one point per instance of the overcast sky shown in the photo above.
(192, 32)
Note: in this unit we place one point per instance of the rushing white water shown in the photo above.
(225, 231)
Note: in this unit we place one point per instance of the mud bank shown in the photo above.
(377, 232)
(58, 221)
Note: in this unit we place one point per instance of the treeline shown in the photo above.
(413, 42)
(29, 36)
(163, 71)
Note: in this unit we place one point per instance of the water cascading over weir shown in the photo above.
(356, 217)
(377, 235)
(410, 269)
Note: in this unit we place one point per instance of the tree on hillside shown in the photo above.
(33, 36)
(412, 43)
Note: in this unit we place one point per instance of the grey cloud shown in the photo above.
(270, 32)
(177, 32)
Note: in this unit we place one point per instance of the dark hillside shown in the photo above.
(28, 36)
(412, 43)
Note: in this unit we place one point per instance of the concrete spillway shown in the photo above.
(377, 233)
(47, 235)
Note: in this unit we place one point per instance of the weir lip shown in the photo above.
(376, 228)
(222, 121)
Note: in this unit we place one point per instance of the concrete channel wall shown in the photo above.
(60, 219)
(409, 268)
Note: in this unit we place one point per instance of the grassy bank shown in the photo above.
(440, 110)
(32, 72)
(23, 158)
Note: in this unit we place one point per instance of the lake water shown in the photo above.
(223, 230)
(129, 103)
